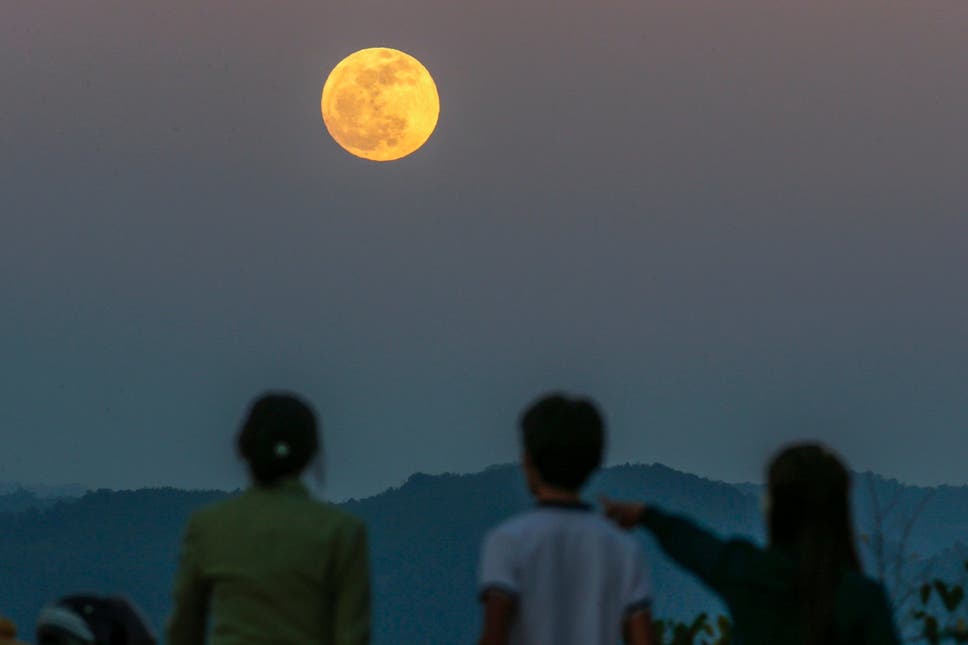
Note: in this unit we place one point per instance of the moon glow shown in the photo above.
(380, 104)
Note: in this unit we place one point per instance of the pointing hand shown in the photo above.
(625, 514)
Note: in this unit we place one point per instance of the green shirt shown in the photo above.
(757, 585)
(272, 565)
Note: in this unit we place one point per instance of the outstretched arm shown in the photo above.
(694, 548)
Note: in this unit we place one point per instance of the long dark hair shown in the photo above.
(278, 438)
(810, 518)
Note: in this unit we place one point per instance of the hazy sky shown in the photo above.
(735, 224)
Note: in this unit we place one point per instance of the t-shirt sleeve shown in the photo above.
(638, 594)
(497, 570)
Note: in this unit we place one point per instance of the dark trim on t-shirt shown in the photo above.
(571, 506)
(498, 588)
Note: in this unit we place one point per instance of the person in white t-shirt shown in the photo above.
(561, 574)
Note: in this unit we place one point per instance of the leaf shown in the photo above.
(698, 625)
(925, 593)
(950, 596)
(940, 586)
(957, 595)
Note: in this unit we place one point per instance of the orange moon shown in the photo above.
(380, 104)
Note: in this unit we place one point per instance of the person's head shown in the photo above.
(278, 438)
(563, 440)
(93, 620)
(809, 517)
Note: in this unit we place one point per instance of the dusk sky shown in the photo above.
(733, 223)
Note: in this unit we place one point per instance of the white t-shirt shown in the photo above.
(575, 577)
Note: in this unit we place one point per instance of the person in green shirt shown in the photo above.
(805, 587)
(273, 565)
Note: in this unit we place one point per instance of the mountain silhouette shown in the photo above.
(425, 536)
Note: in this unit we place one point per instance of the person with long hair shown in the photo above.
(273, 565)
(806, 586)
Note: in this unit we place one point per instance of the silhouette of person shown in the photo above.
(273, 565)
(560, 574)
(806, 587)
(92, 620)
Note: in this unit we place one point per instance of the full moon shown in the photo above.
(380, 104)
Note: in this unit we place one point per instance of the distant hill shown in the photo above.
(21, 500)
(424, 534)
(16, 497)
(43, 491)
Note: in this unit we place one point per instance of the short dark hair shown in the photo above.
(278, 438)
(565, 438)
